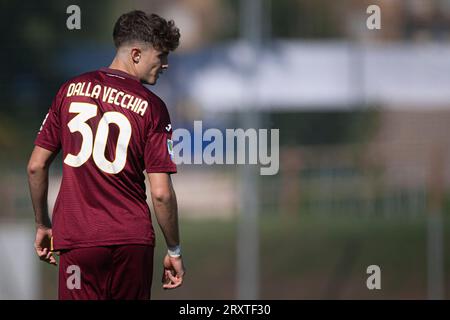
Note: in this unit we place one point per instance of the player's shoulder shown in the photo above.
(86, 76)
(156, 103)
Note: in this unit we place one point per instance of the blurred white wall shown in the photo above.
(324, 75)
(19, 266)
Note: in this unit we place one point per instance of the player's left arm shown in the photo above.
(38, 168)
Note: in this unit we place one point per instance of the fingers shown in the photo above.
(46, 255)
(173, 272)
(173, 281)
(41, 252)
(52, 260)
(42, 245)
(165, 279)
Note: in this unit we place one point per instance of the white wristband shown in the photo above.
(174, 252)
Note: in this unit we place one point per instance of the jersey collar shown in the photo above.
(119, 73)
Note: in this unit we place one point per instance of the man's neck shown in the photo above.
(118, 64)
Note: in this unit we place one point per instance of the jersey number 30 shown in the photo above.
(96, 146)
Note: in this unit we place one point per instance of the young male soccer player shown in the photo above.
(110, 129)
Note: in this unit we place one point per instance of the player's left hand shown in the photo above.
(42, 244)
(173, 273)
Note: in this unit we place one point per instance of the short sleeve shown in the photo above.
(49, 135)
(158, 153)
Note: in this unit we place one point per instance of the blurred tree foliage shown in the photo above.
(325, 128)
(316, 19)
(34, 39)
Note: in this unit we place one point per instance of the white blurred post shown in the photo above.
(435, 256)
(435, 232)
(248, 258)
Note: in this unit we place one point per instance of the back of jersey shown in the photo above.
(110, 129)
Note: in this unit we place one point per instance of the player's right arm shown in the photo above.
(47, 146)
(37, 169)
(166, 212)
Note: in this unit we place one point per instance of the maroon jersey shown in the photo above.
(110, 129)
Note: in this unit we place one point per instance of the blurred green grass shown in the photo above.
(302, 257)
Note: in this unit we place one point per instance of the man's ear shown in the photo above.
(136, 55)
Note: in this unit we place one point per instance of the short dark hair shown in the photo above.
(138, 26)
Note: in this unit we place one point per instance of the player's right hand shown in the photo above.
(173, 272)
(42, 244)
